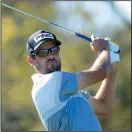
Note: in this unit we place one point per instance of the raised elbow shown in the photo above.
(104, 112)
(107, 112)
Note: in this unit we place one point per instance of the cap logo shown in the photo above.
(43, 36)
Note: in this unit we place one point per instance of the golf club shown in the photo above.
(56, 25)
(49, 22)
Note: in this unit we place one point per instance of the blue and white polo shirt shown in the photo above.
(60, 105)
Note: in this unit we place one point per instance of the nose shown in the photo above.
(50, 56)
(50, 53)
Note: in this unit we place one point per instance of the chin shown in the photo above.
(53, 68)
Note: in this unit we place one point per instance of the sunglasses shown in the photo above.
(45, 52)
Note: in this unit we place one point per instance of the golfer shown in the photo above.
(58, 96)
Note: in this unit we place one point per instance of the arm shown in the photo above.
(100, 68)
(102, 101)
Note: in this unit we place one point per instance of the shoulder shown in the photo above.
(53, 80)
(42, 81)
(47, 77)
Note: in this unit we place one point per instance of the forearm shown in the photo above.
(106, 91)
(101, 66)
(96, 73)
(102, 62)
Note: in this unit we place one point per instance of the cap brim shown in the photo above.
(57, 42)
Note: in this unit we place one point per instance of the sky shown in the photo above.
(100, 11)
(125, 7)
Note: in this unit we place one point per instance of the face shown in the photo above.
(49, 63)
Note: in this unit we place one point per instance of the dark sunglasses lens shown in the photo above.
(43, 53)
(55, 50)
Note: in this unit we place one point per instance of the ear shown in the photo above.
(30, 60)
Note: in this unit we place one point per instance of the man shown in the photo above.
(58, 95)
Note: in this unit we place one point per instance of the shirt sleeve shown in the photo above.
(85, 94)
(69, 84)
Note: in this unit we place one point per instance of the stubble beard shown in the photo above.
(53, 68)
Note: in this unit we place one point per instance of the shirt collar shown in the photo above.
(35, 77)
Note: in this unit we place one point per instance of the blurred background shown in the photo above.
(103, 18)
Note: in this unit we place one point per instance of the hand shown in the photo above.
(114, 52)
(114, 57)
(99, 44)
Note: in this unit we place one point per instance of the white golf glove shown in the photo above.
(114, 53)
(114, 50)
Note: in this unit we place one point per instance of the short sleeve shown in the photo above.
(85, 94)
(69, 84)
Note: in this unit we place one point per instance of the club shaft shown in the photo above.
(49, 22)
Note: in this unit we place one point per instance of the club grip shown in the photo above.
(83, 37)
